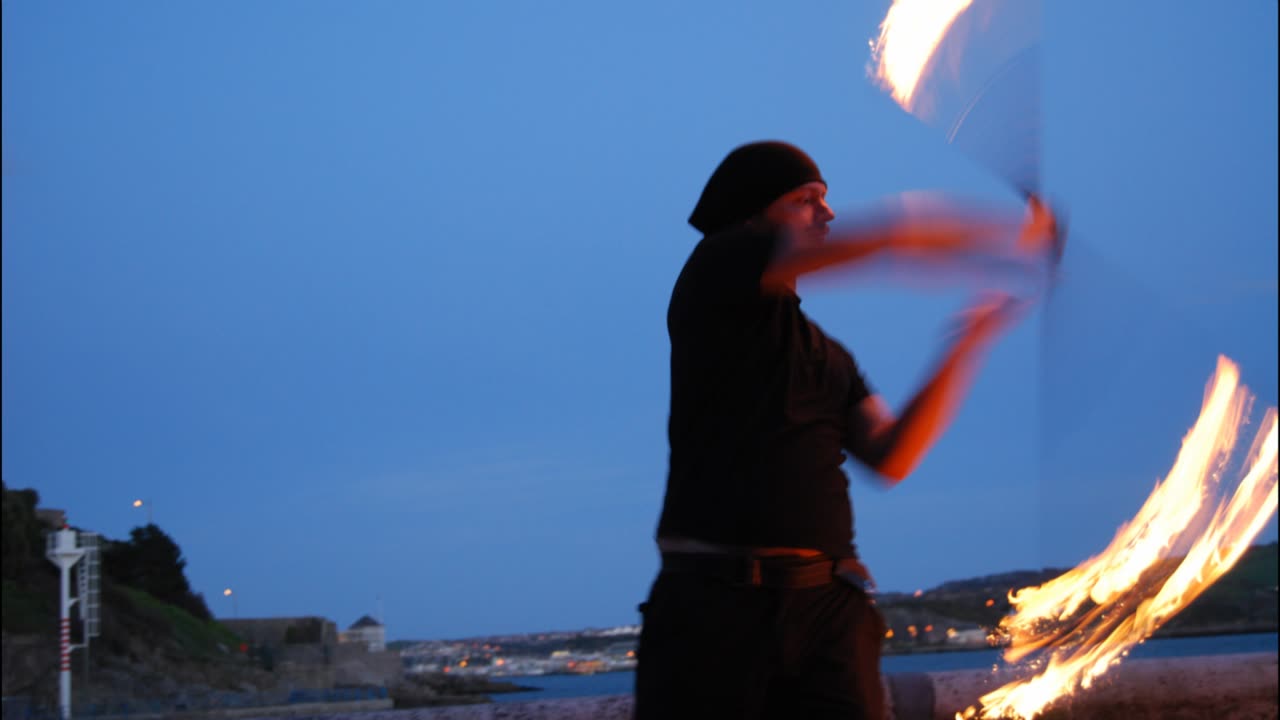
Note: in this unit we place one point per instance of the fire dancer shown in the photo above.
(761, 606)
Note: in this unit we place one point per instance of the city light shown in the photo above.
(235, 610)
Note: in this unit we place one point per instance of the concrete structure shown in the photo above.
(355, 666)
(368, 631)
(302, 649)
(276, 632)
(310, 653)
(1242, 687)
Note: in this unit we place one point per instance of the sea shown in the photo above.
(621, 683)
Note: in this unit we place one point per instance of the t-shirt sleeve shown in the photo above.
(728, 266)
(859, 388)
(856, 424)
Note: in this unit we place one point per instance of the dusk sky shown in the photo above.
(367, 301)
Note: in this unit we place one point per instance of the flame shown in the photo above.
(1088, 619)
(908, 38)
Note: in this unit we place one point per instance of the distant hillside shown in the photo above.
(1242, 600)
(148, 648)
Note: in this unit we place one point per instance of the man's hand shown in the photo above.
(893, 447)
(982, 321)
(1042, 233)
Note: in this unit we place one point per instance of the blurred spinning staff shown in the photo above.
(759, 568)
(970, 69)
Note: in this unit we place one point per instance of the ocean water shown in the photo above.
(620, 683)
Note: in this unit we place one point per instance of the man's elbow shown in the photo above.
(894, 467)
(889, 470)
(892, 474)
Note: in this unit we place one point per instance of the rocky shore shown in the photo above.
(436, 689)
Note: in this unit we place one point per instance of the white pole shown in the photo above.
(63, 552)
(64, 663)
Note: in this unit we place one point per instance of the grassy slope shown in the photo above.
(193, 637)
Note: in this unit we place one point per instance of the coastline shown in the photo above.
(1162, 634)
(952, 659)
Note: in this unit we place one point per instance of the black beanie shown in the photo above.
(748, 180)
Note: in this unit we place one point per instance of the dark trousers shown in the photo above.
(714, 649)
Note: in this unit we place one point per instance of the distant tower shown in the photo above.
(64, 551)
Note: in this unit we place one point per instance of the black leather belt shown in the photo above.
(789, 572)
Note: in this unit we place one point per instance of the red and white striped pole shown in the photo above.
(64, 553)
(64, 668)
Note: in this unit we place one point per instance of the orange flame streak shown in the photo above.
(1172, 505)
(908, 38)
(1130, 585)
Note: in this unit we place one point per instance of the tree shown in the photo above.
(23, 536)
(152, 562)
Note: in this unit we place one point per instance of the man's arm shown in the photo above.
(893, 446)
(938, 238)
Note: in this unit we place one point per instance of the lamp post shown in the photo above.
(235, 610)
(140, 503)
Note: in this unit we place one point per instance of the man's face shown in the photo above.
(803, 214)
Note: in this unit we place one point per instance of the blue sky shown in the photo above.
(368, 299)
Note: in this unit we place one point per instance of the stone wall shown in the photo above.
(319, 665)
(308, 666)
(271, 632)
(296, 665)
(355, 665)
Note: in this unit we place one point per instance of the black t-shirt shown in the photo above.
(760, 408)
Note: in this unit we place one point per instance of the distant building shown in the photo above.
(967, 637)
(367, 631)
(51, 517)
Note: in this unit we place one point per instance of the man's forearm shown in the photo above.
(791, 264)
(899, 448)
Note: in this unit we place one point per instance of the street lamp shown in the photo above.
(235, 610)
(147, 503)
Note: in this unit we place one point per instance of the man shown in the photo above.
(761, 608)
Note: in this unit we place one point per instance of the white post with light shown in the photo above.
(63, 551)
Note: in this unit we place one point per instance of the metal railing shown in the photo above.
(90, 579)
